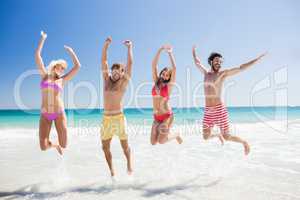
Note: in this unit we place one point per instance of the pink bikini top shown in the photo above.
(45, 84)
(163, 91)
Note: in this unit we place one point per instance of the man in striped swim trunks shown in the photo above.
(215, 112)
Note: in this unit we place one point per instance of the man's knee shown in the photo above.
(106, 148)
(125, 146)
(206, 133)
(205, 136)
(126, 149)
(226, 136)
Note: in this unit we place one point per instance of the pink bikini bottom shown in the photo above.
(51, 116)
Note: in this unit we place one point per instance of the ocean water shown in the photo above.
(196, 169)
(30, 118)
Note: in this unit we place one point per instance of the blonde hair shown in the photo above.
(54, 63)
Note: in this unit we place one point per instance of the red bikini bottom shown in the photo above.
(162, 117)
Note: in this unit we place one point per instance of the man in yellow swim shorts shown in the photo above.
(113, 125)
(114, 87)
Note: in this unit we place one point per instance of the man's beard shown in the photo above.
(113, 80)
(216, 69)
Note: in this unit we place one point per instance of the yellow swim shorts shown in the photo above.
(113, 125)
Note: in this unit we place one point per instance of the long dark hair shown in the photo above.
(160, 80)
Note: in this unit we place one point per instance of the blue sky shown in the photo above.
(240, 30)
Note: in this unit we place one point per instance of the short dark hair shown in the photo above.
(212, 56)
(116, 66)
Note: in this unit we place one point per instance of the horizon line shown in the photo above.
(243, 106)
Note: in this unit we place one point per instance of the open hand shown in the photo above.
(262, 55)
(127, 43)
(168, 48)
(194, 49)
(68, 49)
(108, 40)
(43, 34)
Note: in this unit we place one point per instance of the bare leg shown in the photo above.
(61, 128)
(208, 135)
(108, 156)
(164, 132)
(127, 153)
(45, 143)
(154, 133)
(232, 138)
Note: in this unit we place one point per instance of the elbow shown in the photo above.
(130, 62)
(243, 67)
(77, 66)
(37, 54)
(154, 65)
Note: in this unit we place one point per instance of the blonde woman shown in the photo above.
(52, 108)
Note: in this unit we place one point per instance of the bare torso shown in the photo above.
(160, 104)
(112, 95)
(213, 84)
(51, 99)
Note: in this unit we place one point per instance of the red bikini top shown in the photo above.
(163, 91)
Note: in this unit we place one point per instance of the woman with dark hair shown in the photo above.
(163, 83)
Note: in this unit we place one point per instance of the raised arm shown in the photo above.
(155, 63)
(169, 50)
(198, 63)
(128, 71)
(76, 64)
(38, 58)
(242, 67)
(104, 62)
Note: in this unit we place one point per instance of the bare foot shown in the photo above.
(221, 139)
(179, 139)
(113, 180)
(129, 168)
(59, 150)
(129, 172)
(247, 148)
(112, 173)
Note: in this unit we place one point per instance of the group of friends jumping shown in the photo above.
(115, 81)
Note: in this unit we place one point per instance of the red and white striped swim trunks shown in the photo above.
(216, 115)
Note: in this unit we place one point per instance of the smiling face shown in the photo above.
(216, 64)
(165, 74)
(215, 60)
(117, 72)
(58, 70)
(57, 67)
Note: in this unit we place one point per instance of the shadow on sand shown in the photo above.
(33, 192)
